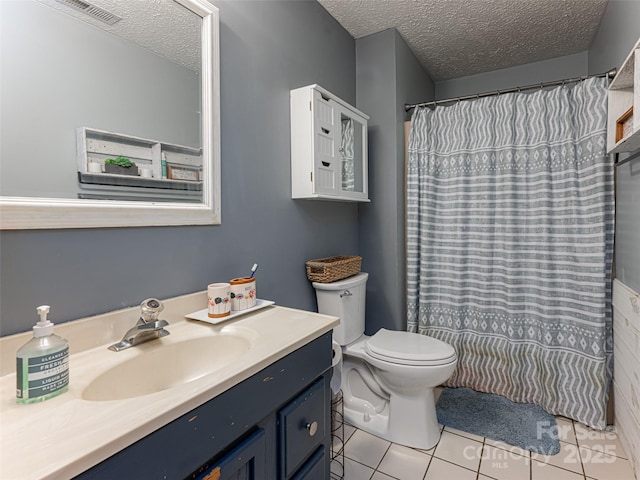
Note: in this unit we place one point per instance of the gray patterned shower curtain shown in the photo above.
(510, 217)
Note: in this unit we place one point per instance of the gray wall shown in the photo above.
(559, 68)
(618, 33)
(267, 48)
(66, 74)
(388, 76)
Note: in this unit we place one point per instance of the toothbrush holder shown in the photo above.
(243, 293)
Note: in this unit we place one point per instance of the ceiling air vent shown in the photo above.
(92, 11)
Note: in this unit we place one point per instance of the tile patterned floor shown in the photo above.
(585, 454)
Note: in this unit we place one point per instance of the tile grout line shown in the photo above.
(429, 463)
(432, 455)
(561, 468)
(484, 440)
(484, 445)
(575, 433)
(375, 469)
(456, 464)
(356, 429)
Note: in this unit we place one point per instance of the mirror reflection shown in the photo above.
(351, 152)
(101, 104)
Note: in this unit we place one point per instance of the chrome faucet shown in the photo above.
(147, 328)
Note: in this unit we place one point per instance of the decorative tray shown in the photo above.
(203, 316)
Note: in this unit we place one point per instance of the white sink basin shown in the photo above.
(159, 367)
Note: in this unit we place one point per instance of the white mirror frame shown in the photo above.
(19, 213)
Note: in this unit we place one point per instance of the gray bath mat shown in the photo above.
(519, 424)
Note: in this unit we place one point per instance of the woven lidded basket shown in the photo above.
(331, 269)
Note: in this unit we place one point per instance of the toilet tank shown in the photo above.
(344, 299)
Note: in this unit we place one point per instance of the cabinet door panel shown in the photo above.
(245, 462)
(314, 469)
(326, 131)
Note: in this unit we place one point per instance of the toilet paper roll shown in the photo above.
(336, 363)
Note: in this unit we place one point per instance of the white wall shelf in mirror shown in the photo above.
(623, 131)
(328, 147)
(111, 79)
(174, 172)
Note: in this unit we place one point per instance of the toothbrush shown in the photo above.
(253, 270)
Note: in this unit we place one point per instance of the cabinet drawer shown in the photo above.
(301, 427)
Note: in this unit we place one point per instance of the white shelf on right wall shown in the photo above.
(624, 94)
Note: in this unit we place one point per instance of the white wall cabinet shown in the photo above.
(328, 147)
(624, 95)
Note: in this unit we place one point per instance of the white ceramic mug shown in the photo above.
(243, 293)
(219, 300)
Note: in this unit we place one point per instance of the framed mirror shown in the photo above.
(90, 86)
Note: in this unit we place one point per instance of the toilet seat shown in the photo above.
(407, 348)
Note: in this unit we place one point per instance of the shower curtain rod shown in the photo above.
(408, 106)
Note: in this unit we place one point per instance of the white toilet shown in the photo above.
(387, 379)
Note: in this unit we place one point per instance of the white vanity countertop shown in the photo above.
(64, 436)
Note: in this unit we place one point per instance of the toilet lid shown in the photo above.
(409, 348)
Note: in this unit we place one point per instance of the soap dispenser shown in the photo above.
(42, 364)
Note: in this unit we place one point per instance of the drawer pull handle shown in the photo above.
(312, 427)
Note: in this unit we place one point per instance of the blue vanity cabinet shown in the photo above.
(258, 430)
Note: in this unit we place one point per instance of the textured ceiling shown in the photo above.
(456, 38)
(162, 26)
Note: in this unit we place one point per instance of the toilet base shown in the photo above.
(406, 420)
